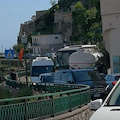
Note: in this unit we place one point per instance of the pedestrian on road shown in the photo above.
(13, 75)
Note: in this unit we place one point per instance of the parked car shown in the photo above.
(102, 75)
(46, 78)
(89, 77)
(110, 108)
(50, 55)
(111, 79)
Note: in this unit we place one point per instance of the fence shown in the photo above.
(58, 98)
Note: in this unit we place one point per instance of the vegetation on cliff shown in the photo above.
(87, 24)
(86, 20)
(44, 24)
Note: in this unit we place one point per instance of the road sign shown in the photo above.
(9, 54)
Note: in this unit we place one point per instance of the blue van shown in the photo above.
(98, 86)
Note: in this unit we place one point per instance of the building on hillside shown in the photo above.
(63, 24)
(29, 26)
(40, 13)
(42, 44)
(63, 21)
(110, 12)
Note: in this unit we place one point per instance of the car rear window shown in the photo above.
(117, 78)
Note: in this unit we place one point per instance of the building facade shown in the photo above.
(42, 44)
(29, 26)
(63, 24)
(110, 12)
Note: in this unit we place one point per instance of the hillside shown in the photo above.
(86, 21)
(85, 28)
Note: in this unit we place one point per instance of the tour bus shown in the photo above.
(41, 65)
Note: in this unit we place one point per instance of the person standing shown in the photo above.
(13, 75)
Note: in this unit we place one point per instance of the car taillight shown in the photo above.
(113, 83)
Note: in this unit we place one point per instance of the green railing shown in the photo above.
(63, 98)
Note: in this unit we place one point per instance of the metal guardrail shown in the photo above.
(63, 98)
(23, 73)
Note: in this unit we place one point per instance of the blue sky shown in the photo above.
(13, 13)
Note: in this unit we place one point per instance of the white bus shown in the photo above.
(41, 65)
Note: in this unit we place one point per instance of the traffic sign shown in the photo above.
(9, 54)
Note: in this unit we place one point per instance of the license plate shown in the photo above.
(97, 95)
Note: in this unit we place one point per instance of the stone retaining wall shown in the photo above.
(82, 113)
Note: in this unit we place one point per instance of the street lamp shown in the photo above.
(24, 42)
(29, 47)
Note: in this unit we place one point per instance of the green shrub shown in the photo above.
(26, 91)
(4, 93)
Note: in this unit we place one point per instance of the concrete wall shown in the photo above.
(82, 113)
(110, 7)
(110, 12)
(29, 26)
(63, 24)
(40, 13)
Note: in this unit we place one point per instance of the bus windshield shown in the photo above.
(37, 70)
(63, 57)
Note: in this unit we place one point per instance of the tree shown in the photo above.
(45, 23)
(57, 7)
(86, 24)
(17, 48)
(87, 27)
(53, 2)
(79, 6)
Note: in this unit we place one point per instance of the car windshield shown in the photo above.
(114, 99)
(86, 75)
(63, 57)
(47, 78)
(37, 70)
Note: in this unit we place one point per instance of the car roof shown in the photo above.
(68, 70)
(64, 70)
(115, 74)
(45, 74)
(82, 69)
(68, 49)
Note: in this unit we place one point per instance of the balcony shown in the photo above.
(35, 44)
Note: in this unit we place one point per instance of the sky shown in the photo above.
(13, 13)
